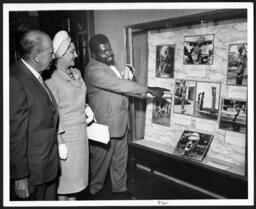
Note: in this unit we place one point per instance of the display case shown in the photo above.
(198, 132)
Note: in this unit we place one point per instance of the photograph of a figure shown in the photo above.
(193, 145)
(162, 109)
(165, 61)
(233, 115)
(184, 95)
(198, 49)
(207, 100)
(237, 64)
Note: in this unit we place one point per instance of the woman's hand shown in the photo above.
(129, 72)
(63, 151)
(89, 114)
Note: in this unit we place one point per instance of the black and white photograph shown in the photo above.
(119, 104)
(198, 50)
(207, 100)
(165, 61)
(184, 96)
(193, 145)
(233, 115)
(237, 64)
(162, 109)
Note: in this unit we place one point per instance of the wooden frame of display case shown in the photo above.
(226, 183)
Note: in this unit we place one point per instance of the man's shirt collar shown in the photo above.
(32, 70)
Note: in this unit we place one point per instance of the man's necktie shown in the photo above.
(44, 86)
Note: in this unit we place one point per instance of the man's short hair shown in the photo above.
(30, 41)
(97, 40)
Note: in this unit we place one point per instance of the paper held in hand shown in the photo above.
(98, 132)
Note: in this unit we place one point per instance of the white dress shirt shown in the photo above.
(33, 71)
(113, 68)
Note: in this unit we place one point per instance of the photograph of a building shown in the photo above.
(184, 97)
(233, 115)
(207, 100)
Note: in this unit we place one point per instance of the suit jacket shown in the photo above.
(33, 123)
(107, 96)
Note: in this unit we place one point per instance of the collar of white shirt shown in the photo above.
(113, 68)
(33, 71)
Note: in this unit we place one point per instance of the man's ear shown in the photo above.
(36, 56)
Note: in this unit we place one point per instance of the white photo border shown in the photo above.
(7, 7)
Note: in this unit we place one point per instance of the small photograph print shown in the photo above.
(184, 96)
(162, 109)
(233, 115)
(207, 100)
(198, 50)
(193, 145)
(237, 64)
(165, 61)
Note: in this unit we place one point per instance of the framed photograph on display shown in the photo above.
(165, 61)
(207, 100)
(184, 96)
(162, 109)
(198, 50)
(233, 115)
(193, 145)
(237, 64)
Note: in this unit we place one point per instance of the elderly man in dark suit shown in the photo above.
(107, 96)
(34, 161)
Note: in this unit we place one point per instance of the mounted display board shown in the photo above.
(204, 65)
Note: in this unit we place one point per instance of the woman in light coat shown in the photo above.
(69, 91)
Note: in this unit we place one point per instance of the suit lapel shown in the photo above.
(33, 81)
(54, 104)
(36, 82)
(28, 74)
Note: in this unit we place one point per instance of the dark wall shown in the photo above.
(78, 23)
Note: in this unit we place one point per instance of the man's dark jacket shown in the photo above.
(33, 123)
